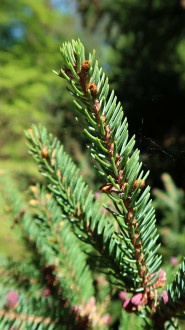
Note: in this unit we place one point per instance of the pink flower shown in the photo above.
(174, 261)
(46, 292)
(137, 299)
(123, 295)
(106, 319)
(127, 305)
(97, 195)
(130, 304)
(165, 296)
(162, 279)
(12, 299)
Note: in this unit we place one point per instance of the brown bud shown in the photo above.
(106, 187)
(93, 88)
(137, 182)
(30, 131)
(52, 239)
(44, 153)
(85, 66)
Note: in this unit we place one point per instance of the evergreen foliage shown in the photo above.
(71, 241)
(170, 202)
(30, 33)
(171, 208)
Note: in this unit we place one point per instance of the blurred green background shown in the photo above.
(141, 46)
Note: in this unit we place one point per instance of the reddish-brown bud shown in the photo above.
(137, 182)
(85, 66)
(93, 88)
(44, 153)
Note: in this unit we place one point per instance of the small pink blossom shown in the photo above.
(97, 195)
(106, 319)
(127, 305)
(123, 295)
(130, 304)
(174, 261)
(165, 296)
(162, 279)
(137, 299)
(46, 292)
(12, 299)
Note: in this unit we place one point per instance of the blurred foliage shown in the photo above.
(28, 39)
(130, 321)
(146, 67)
(170, 204)
(30, 33)
(10, 242)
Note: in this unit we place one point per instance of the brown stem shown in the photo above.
(137, 244)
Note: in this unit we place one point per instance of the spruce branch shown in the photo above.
(118, 164)
(71, 263)
(71, 239)
(63, 270)
(27, 320)
(34, 309)
(19, 274)
(78, 205)
(57, 245)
